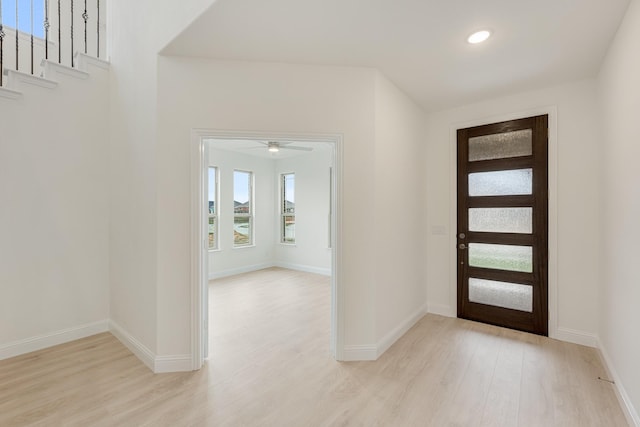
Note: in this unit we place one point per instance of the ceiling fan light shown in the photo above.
(274, 147)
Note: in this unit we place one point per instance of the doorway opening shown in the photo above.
(265, 207)
(502, 224)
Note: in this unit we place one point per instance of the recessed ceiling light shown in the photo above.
(479, 36)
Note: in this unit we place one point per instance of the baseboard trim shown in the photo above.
(177, 363)
(249, 268)
(136, 347)
(623, 398)
(306, 268)
(63, 336)
(389, 339)
(576, 337)
(233, 271)
(441, 310)
(355, 353)
(158, 364)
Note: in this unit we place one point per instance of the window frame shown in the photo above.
(215, 215)
(283, 210)
(249, 214)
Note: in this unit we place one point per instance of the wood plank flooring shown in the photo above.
(271, 366)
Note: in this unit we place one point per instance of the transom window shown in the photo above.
(242, 208)
(287, 208)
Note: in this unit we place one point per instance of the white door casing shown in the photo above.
(198, 230)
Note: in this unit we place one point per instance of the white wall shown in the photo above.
(619, 90)
(54, 219)
(354, 102)
(399, 212)
(296, 98)
(228, 260)
(135, 203)
(95, 171)
(311, 250)
(197, 93)
(132, 160)
(155, 102)
(576, 167)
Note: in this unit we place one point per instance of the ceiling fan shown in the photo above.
(274, 146)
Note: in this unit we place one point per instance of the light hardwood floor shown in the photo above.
(270, 366)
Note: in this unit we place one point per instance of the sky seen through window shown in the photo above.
(8, 15)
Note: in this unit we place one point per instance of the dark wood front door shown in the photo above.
(503, 224)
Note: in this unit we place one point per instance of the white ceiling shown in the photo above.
(419, 44)
(257, 148)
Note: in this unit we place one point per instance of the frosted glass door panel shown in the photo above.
(501, 220)
(501, 257)
(501, 294)
(501, 183)
(500, 145)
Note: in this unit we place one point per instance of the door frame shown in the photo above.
(552, 238)
(198, 237)
(537, 320)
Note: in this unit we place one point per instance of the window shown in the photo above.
(242, 208)
(288, 208)
(213, 208)
(25, 21)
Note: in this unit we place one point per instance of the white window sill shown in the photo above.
(214, 250)
(244, 246)
(288, 244)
